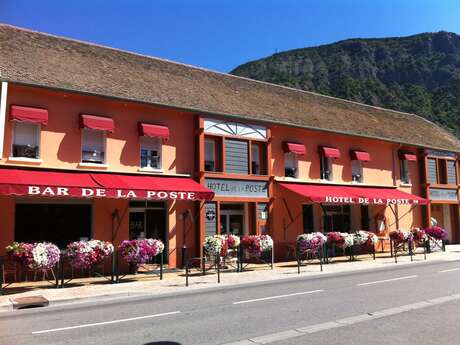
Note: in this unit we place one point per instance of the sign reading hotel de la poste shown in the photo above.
(79, 192)
(366, 201)
(237, 188)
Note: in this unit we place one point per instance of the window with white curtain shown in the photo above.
(151, 153)
(26, 139)
(93, 146)
(356, 171)
(291, 165)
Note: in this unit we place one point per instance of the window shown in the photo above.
(356, 171)
(151, 152)
(290, 165)
(432, 169)
(258, 154)
(26, 139)
(451, 172)
(307, 217)
(326, 168)
(442, 168)
(336, 218)
(210, 157)
(93, 146)
(405, 174)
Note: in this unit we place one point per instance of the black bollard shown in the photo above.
(161, 265)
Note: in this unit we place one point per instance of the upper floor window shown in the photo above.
(258, 158)
(405, 157)
(235, 148)
(291, 165)
(327, 155)
(357, 159)
(151, 152)
(26, 140)
(405, 173)
(326, 168)
(93, 146)
(212, 154)
(94, 137)
(451, 172)
(27, 123)
(356, 171)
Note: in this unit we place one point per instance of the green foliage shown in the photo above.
(417, 74)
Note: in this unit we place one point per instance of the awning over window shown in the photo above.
(408, 156)
(97, 122)
(154, 131)
(29, 114)
(360, 156)
(354, 195)
(298, 149)
(95, 185)
(330, 152)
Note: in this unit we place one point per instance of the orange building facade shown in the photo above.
(78, 163)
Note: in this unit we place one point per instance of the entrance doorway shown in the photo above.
(232, 219)
(148, 220)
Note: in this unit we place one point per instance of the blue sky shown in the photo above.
(221, 34)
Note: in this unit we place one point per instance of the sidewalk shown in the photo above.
(99, 288)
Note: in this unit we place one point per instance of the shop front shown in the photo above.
(62, 207)
(306, 208)
(239, 207)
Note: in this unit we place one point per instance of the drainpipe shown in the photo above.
(3, 98)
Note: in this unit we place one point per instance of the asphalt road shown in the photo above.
(265, 313)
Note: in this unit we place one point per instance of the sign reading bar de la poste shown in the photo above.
(80, 192)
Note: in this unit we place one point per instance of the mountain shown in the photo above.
(417, 74)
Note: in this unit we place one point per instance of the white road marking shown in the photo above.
(279, 296)
(360, 318)
(105, 322)
(387, 280)
(450, 270)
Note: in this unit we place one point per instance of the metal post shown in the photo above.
(238, 258)
(218, 267)
(184, 255)
(395, 253)
(411, 250)
(373, 252)
(321, 257)
(424, 249)
(186, 275)
(273, 256)
(297, 256)
(443, 245)
(351, 253)
(161, 265)
(112, 276)
(391, 247)
(2, 268)
(61, 272)
(203, 265)
(241, 258)
(57, 274)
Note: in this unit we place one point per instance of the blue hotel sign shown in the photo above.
(238, 188)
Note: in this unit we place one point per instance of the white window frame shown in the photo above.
(404, 171)
(357, 168)
(151, 144)
(290, 157)
(37, 139)
(104, 144)
(326, 162)
(214, 147)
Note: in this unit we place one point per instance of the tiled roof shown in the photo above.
(34, 58)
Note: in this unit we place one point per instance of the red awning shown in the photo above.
(153, 131)
(28, 114)
(408, 156)
(360, 156)
(298, 149)
(95, 185)
(354, 195)
(330, 152)
(97, 122)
